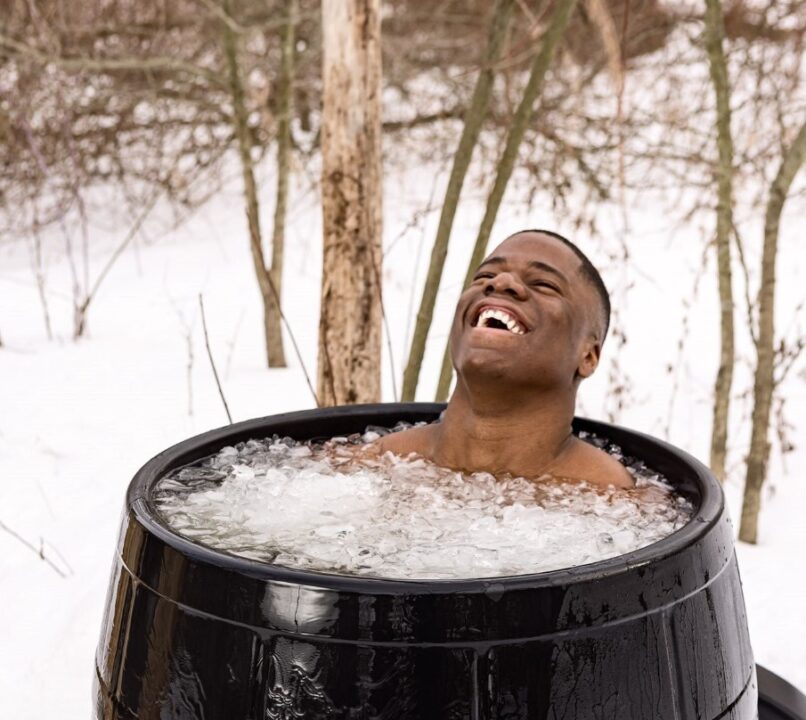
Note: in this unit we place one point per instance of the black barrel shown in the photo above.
(659, 633)
(777, 699)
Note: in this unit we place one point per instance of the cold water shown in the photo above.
(324, 507)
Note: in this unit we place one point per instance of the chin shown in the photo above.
(499, 369)
(488, 366)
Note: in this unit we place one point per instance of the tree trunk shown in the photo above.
(240, 118)
(473, 119)
(285, 89)
(714, 38)
(350, 315)
(764, 384)
(523, 116)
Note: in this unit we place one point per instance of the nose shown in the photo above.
(505, 283)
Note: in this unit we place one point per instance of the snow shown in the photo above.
(79, 418)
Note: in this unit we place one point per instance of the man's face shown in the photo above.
(528, 318)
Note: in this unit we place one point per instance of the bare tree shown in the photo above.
(350, 318)
(764, 382)
(473, 119)
(714, 39)
(551, 38)
(141, 96)
(268, 289)
(285, 91)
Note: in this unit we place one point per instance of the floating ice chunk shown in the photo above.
(314, 507)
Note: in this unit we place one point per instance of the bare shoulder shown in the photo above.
(417, 440)
(589, 463)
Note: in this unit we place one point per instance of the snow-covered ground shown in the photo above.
(78, 418)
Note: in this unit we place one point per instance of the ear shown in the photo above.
(591, 351)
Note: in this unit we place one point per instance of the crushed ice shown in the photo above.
(315, 507)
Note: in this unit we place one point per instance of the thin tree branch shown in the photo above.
(473, 120)
(386, 330)
(113, 258)
(111, 65)
(212, 362)
(40, 551)
(223, 15)
(751, 320)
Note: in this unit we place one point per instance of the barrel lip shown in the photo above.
(711, 507)
(703, 487)
(780, 694)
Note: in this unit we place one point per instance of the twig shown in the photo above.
(418, 218)
(61, 557)
(113, 258)
(530, 16)
(189, 368)
(786, 357)
(231, 343)
(224, 16)
(674, 368)
(39, 551)
(148, 65)
(33, 145)
(212, 362)
(39, 275)
(385, 324)
(293, 340)
(751, 320)
(187, 329)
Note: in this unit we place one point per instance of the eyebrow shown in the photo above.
(538, 264)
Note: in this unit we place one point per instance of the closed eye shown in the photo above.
(544, 284)
(483, 275)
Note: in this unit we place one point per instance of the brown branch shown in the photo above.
(387, 332)
(221, 14)
(764, 380)
(717, 65)
(453, 113)
(40, 551)
(293, 340)
(112, 65)
(751, 320)
(81, 310)
(212, 362)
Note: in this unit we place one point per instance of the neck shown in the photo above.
(516, 432)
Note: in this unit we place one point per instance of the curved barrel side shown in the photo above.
(192, 633)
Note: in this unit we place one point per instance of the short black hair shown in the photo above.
(589, 272)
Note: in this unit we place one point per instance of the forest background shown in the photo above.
(167, 190)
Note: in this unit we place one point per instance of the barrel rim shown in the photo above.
(708, 513)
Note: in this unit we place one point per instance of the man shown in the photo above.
(526, 333)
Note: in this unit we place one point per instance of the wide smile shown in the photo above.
(495, 317)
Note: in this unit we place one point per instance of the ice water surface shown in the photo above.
(315, 507)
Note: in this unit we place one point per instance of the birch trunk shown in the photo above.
(764, 384)
(350, 317)
(563, 11)
(274, 333)
(714, 39)
(473, 119)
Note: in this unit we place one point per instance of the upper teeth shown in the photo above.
(502, 316)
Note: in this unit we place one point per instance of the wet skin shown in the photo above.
(515, 394)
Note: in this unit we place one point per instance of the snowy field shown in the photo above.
(79, 418)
